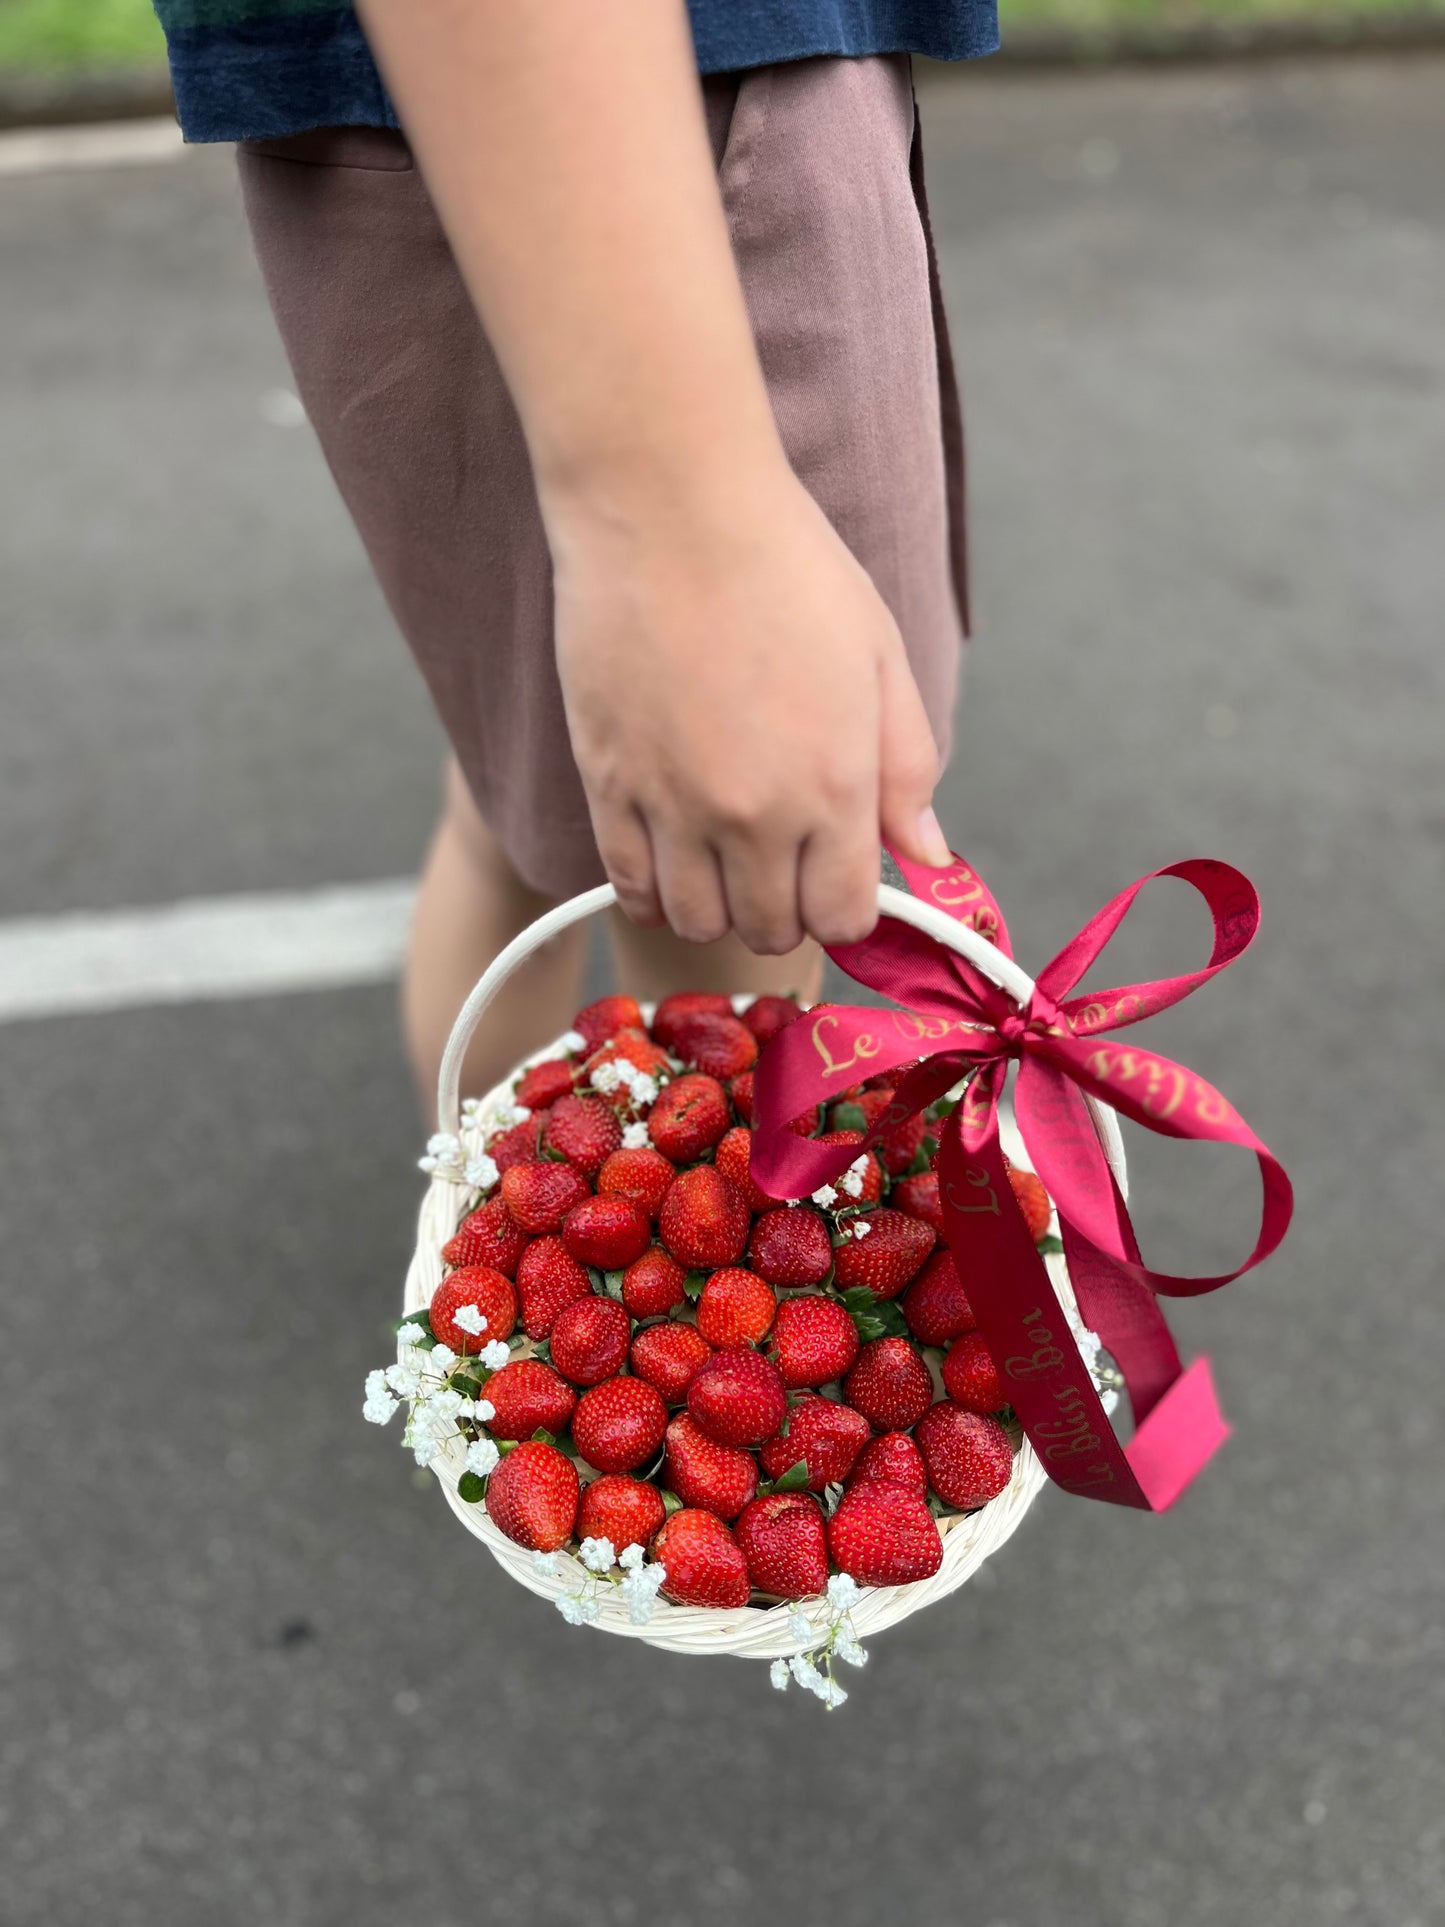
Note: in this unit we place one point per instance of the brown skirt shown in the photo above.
(821, 178)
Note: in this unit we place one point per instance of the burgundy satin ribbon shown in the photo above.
(956, 1020)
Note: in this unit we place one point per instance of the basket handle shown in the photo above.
(892, 902)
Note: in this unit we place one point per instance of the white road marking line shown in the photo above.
(258, 945)
(117, 143)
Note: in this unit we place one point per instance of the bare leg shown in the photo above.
(650, 963)
(469, 905)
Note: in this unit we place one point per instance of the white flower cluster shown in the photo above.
(638, 1585)
(860, 1227)
(622, 1074)
(636, 1137)
(839, 1642)
(446, 1157)
(849, 1186)
(853, 1178)
(573, 1043)
(419, 1379)
(1091, 1350)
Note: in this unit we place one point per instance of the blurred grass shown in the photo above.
(40, 36)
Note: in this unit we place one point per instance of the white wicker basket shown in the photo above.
(758, 1632)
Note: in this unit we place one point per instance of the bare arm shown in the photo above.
(739, 702)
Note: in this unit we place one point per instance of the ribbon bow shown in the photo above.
(955, 1022)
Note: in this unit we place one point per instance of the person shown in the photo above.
(629, 361)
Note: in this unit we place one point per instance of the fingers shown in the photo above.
(838, 884)
(690, 885)
(761, 885)
(626, 851)
(908, 769)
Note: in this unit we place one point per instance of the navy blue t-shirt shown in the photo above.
(250, 69)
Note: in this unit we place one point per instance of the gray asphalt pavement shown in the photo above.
(249, 1670)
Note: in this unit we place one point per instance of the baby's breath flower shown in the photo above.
(860, 1227)
(800, 1626)
(571, 1606)
(441, 1360)
(408, 1335)
(470, 1318)
(830, 1693)
(482, 1457)
(825, 1195)
(597, 1555)
(631, 1558)
(644, 1089)
(405, 1376)
(636, 1137)
(778, 1673)
(843, 1592)
(509, 1115)
(544, 1562)
(481, 1172)
(379, 1404)
(848, 1650)
(494, 1354)
(607, 1077)
(627, 1071)
(804, 1671)
(573, 1042)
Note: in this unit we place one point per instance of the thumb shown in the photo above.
(907, 767)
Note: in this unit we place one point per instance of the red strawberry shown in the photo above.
(735, 1308)
(826, 1435)
(704, 1219)
(585, 1130)
(892, 1455)
(687, 1003)
(625, 1511)
(805, 1124)
(703, 1562)
(733, 1158)
(872, 1175)
(1033, 1201)
(589, 1339)
(599, 1021)
(871, 1102)
(890, 1385)
(636, 1048)
(718, 1478)
(892, 1251)
(544, 1083)
(652, 1285)
(539, 1195)
(667, 1355)
(607, 1232)
(720, 1046)
(492, 1296)
(884, 1535)
(527, 1396)
(785, 1544)
(970, 1376)
(919, 1198)
(533, 1496)
(766, 1016)
(737, 1398)
(487, 1237)
(814, 1340)
(548, 1278)
(618, 1425)
(689, 1117)
(790, 1246)
(935, 1304)
(900, 1146)
(740, 1090)
(969, 1456)
(641, 1175)
(516, 1146)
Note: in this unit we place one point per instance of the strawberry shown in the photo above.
(488, 1292)
(890, 1385)
(667, 1355)
(891, 1253)
(734, 1159)
(618, 1425)
(805, 1124)
(589, 1339)
(687, 1003)
(548, 1278)
(539, 1195)
(785, 1544)
(738, 1398)
(872, 1102)
(919, 1198)
(900, 1146)
(892, 1455)
(544, 1083)
(825, 1434)
(740, 1090)
(641, 1175)
(703, 1561)
(653, 1285)
(704, 1219)
(814, 1340)
(970, 1376)
(606, 1232)
(766, 1016)
(721, 1046)
(533, 1496)
(487, 1237)
(872, 1173)
(1033, 1201)
(717, 1478)
(634, 1047)
(690, 1115)
(527, 1395)
(791, 1246)
(599, 1021)
(935, 1305)
(735, 1308)
(585, 1131)
(515, 1146)
(624, 1511)
(969, 1456)
(883, 1534)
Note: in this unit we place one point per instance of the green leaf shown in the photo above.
(873, 1317)
(471, 1488)
(553, 1155)
(543, 1437)
(671, 1503)
(693, 1283)
(795, 1479)
(1049, 1244)
(612, 1283)
(945, 1107)
(849, 1117)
